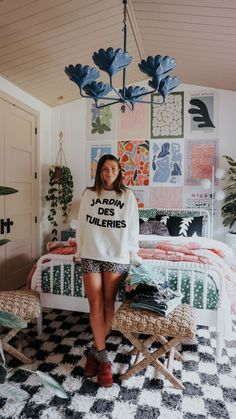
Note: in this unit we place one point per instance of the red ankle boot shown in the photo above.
(91, 367)
(105, 375)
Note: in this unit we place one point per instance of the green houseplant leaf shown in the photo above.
(12, 321)
(52, 384)
(4, 190)
(228, 210)
(15, 393)
(2, 354)
(4, 241)
(3, 373)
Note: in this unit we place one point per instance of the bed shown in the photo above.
(202, 279)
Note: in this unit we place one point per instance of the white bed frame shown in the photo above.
(220, 318)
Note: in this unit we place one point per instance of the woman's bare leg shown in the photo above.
(111, 282)
(93, 284)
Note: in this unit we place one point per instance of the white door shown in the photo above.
(20, 208)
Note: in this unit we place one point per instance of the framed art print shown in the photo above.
(166, 162)
(94, 152)
(202, 120)
(200, 156)
(101, 124)
(167, 120)
(134, 160)
(134, 124)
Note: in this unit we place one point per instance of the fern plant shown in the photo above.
(228, 210)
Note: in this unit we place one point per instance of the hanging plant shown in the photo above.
(60, 194)
(228, 210)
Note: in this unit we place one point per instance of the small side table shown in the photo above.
(66, 234)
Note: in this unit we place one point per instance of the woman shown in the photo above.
(107, 237)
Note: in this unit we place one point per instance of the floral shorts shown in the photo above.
(90, 265)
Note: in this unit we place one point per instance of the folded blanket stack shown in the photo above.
(148, 295)
(161, 300)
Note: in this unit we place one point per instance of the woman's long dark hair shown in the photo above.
(99, 184)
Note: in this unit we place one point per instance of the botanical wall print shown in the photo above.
(134, 124)
(202, 114)
(101, 123)
(200, 157)
(141, 196)
(166, 197)
(167, 120)
(94, 152)
(166, 167)
(134, 159)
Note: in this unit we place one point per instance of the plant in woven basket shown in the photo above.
(60, 193)
(228, 210)
(11, 321)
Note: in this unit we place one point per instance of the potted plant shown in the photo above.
(228, 210)
(60, 193)
(11, 321)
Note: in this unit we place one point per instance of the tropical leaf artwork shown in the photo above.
(100, 120)
(134, 160)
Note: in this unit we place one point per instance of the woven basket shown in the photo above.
(179, 323)
(23, 303)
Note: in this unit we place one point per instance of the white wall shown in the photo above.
(74, 116)
(44, 146)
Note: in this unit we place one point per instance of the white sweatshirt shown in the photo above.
(108, 227)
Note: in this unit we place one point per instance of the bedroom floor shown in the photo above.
(210, 388)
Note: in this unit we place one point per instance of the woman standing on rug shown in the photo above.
(107, 237)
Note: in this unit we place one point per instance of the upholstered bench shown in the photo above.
(25, 304)
(177, 326)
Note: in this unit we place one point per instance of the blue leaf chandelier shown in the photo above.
(114, 60)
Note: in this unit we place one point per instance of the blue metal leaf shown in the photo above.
(111, 61)
(133, 92)
(81, 75)
(154, 83)
(157, 66)
(97, 90)
(168, 84)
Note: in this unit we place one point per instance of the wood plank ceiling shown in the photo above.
(39, 38)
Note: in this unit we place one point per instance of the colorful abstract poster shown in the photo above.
(201, 115)
(166, 197)
(200, 157)
(166, 167)
(101, 124)
(141, 196)
(134, 160)
(167, 120)
(197, 198)
(94, 152)
(134, 124)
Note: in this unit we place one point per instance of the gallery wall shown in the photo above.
(165, 150)
(77, 146)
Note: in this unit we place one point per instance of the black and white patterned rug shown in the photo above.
(210, 388)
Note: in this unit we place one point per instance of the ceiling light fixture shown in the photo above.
(114, 60)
